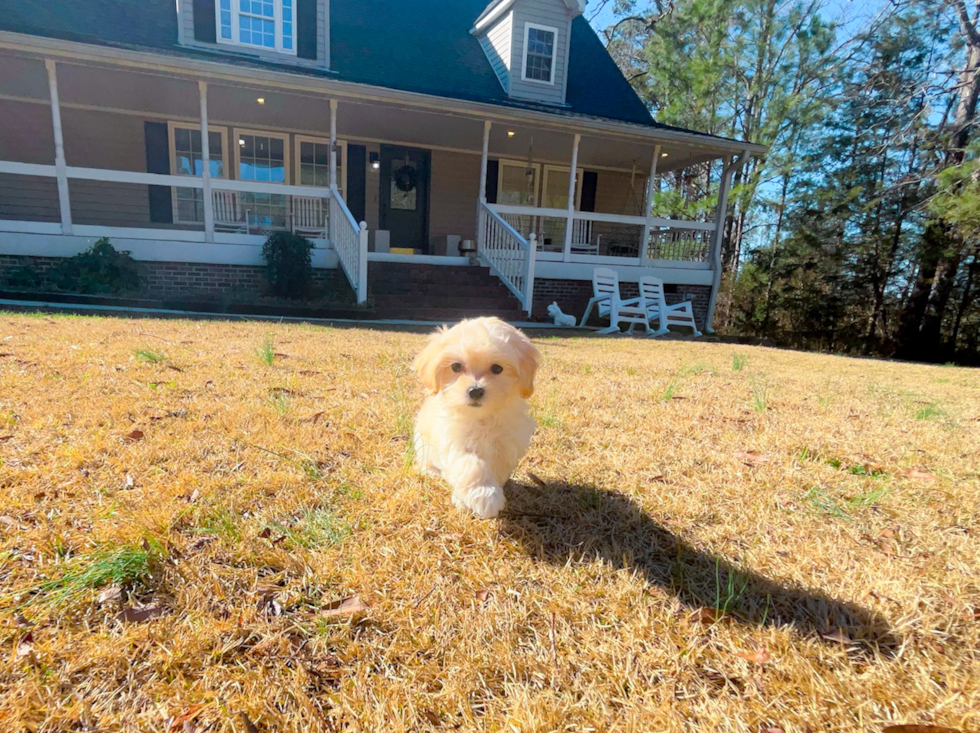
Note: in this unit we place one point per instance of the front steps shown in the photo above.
(439, 293)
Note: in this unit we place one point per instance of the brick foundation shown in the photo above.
(194, 280)
(573, 297)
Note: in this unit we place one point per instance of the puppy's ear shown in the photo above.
(428, 363)
(528, 359)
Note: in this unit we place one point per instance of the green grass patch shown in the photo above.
(824, 503)
(266, 352)
(313, 528)
(760, 395)
(738, 362)
(149, 356)
(930, 412)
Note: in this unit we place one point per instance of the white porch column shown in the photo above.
(570, 221)
(61, 165)
(719, 234)
(333, 143)
(202, 87)
(482, 196)
(648, 206)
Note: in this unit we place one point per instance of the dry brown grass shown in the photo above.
(804, 494)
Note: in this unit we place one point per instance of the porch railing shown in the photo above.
(509, 255)
(306, 213)
(350, 242)
(598, 238)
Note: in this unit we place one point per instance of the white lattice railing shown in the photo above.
(510, 256)
(349, 240)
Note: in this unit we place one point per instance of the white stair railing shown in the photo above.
(510, 256)
(350, 242)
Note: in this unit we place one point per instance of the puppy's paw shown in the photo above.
(484, 501)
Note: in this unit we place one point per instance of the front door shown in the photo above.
(405, 196)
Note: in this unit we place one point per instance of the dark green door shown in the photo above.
(405, 196)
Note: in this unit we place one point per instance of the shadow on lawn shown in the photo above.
(585, 522)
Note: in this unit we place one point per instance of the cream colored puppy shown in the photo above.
(474, 427)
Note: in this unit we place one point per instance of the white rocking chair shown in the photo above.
(678, 314)
(228, 216)
(605, 295)
(309, 217)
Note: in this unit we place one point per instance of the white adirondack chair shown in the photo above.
(678, 314)
(605, 296)
(309, 217)
(227, 213)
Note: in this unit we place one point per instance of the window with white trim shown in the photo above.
(268, 24)
(187, 159)
(313, 162)
(261, 157)
(539, 53)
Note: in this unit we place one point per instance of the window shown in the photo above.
(186, 159)
(517, 183)
(539, 53)
(261, 157)
(268, 24)
(554, 195)
(313, 162)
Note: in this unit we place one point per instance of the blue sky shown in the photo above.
(851, 13)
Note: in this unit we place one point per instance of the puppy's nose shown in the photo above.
(476, 393)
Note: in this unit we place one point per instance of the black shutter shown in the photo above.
(158, 161)
(205, 28)
(306, 34)
(590, 179)
(493, 173)
(356, 192)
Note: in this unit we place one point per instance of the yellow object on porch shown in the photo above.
(402, 251)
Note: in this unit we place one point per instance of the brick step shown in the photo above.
(450, 315)
(448, 300)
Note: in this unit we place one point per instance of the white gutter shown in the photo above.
(167, 65)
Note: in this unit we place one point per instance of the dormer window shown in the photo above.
(267, 24)
(539, 53)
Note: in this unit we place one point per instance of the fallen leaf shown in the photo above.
(266, 533)
(195, 495)
(918, 474)
(759, 656)
(838, 635)
(129, 483)
(25, 648)
(707, 615)
(537, 480)
(432, 717)
(11, 523)
(773, 729)
(344, 607)
(5, 438)
(751, 458)
(918, 729)
(139, 615)
(199, 544)
(482, 595)
(23, 622)
(317, 417)
(134, 436)
(110, 594)
(249, 725)
(186, 717)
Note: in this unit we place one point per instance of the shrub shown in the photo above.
(24, 277)
(99, 270)
(288, 264)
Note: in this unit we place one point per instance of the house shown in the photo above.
(388, 132)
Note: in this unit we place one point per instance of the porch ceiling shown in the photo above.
(159, 95)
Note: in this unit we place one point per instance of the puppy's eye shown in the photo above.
(496, 369)
(457, 367)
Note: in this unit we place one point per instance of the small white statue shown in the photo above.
(561, 319)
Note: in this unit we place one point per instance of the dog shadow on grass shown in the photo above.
(585, 522)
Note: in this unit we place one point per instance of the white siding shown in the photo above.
(497, 43)
(552, 13)
(322, 18)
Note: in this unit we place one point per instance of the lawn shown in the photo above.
(216, 527)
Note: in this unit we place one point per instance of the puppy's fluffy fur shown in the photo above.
(474, 427)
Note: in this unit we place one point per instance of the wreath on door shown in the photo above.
(406, 178)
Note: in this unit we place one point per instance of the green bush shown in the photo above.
(288, 264)
(99, 270)
(24, 277)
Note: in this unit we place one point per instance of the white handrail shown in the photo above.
(349, 240)
(509, 256)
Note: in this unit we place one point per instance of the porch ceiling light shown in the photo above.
(375, 161)
(511, 133)
(260, 100)
(664, 155)
(241, 141)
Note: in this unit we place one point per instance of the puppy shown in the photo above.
(474, 426)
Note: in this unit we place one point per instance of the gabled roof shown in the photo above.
(421, 46)
(498, 7)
